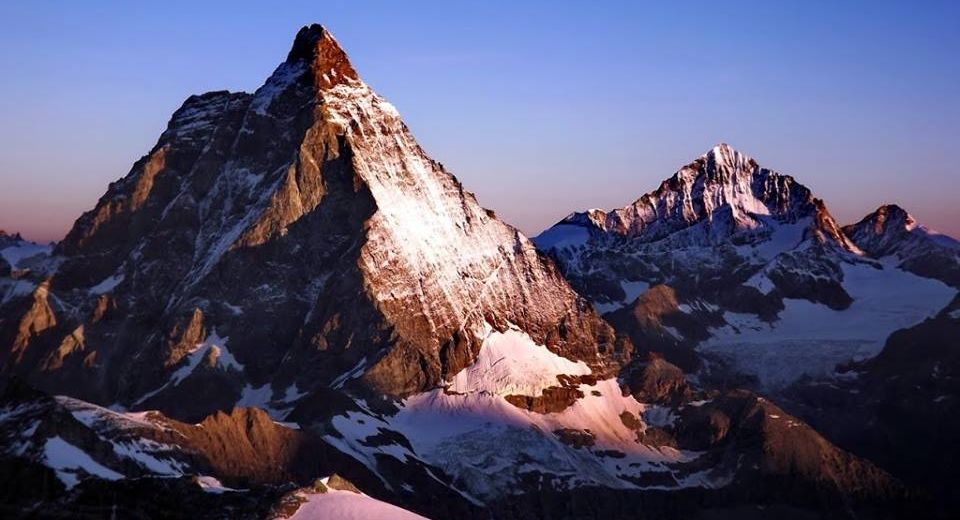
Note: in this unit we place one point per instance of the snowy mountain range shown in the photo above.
(763, 282)
(286, 309)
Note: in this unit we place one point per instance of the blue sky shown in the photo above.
(540, 108)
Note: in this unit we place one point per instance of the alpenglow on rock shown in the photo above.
(275, 242)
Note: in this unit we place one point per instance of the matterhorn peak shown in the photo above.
(316, 46)
(371, 259)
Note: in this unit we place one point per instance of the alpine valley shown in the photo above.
(286, 309)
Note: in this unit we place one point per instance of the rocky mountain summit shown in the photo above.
(270, 243)
(287, 309)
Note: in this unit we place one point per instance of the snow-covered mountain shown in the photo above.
(711, 226)
(759, 276)
(299, 290)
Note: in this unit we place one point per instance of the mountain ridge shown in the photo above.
(745, 252)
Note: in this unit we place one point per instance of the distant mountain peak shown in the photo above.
(723, 188)
(888, 220)
(721, 166)
(890, 231)
(892, 214)
(723, 151)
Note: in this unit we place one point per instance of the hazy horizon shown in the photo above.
(540, 109)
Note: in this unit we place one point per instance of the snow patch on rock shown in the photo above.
(72, 464)
(224, 361)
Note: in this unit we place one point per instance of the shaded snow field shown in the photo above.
(23, 250)
(812, 339)
(561, 236)
(71, 463)
(107, 285)
(632, 290)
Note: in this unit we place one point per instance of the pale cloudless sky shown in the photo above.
(539, 107)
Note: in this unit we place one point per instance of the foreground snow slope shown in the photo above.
(337, 504)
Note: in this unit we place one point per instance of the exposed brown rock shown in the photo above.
(575, 438)
(656, 381)
(38, 318)
(337, 482)
(316, 45)
(70, 344)
(554, 399)
(645, 321)
(246, 445)
(102, 307)
(184, 337)
(779, 446)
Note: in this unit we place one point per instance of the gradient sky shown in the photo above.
(540, 109)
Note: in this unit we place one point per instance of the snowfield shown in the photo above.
(512, 363)
(22, 251)
(812, 339)
(71, 463)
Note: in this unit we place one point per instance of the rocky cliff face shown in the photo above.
(287, 238)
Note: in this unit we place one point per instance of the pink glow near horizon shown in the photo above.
(49, 220)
